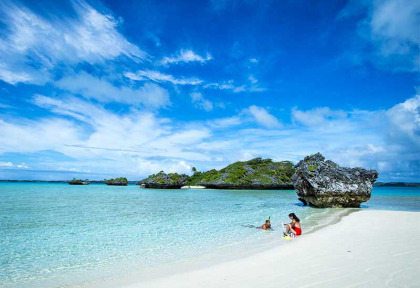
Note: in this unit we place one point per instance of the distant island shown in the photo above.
(75, 181)
(258, 173)
(396, 184)
(120, 181)
(162, 180)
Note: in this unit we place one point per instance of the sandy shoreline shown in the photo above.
(369, 248)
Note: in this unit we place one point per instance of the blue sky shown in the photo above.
(100, 89)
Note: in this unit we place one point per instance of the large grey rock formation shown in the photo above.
(325, 184)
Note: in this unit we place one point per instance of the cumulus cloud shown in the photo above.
(391, 26)
(186, 56)
(200, 102)
(156, 76)
(32, 45)
(90, 87)
(263, 118)
(404, 122)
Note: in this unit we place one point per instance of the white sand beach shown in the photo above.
(365, 249)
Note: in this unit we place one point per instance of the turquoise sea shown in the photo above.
(55, 235)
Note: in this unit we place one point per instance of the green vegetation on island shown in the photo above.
(164, 181)
(120, 181)
(75, 181)
(257, 173)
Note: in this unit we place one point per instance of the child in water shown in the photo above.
(267, 225)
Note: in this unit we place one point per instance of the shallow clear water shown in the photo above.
(394, 198)
(55, 235)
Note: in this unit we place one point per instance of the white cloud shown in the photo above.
(396, 23)
(90, 87)
(373, 139)
(317, 116)
(29, 40)
(26, 75)
(71, 106)
(96, 37)
(225, 122)
(227, 85)
(252, 79)
(200, 102)
(6, 164)
(404, 122)
(392, 27)
(22, 135)
(107, 127)
(22, 165)
(156, 76)
(263, 118)
(251, 86)
(135, 143)
(186, 56)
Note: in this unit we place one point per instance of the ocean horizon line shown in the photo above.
(376, 184)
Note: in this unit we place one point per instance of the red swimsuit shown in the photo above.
(298, 231)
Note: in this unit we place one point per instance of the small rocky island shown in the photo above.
(120, 181)
(325, 184)
(75, 181)
(164, 181)
(257, 173)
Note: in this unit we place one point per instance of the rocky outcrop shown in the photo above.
(325, 184)
(164, 181)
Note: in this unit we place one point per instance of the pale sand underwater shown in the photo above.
(368, 248)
